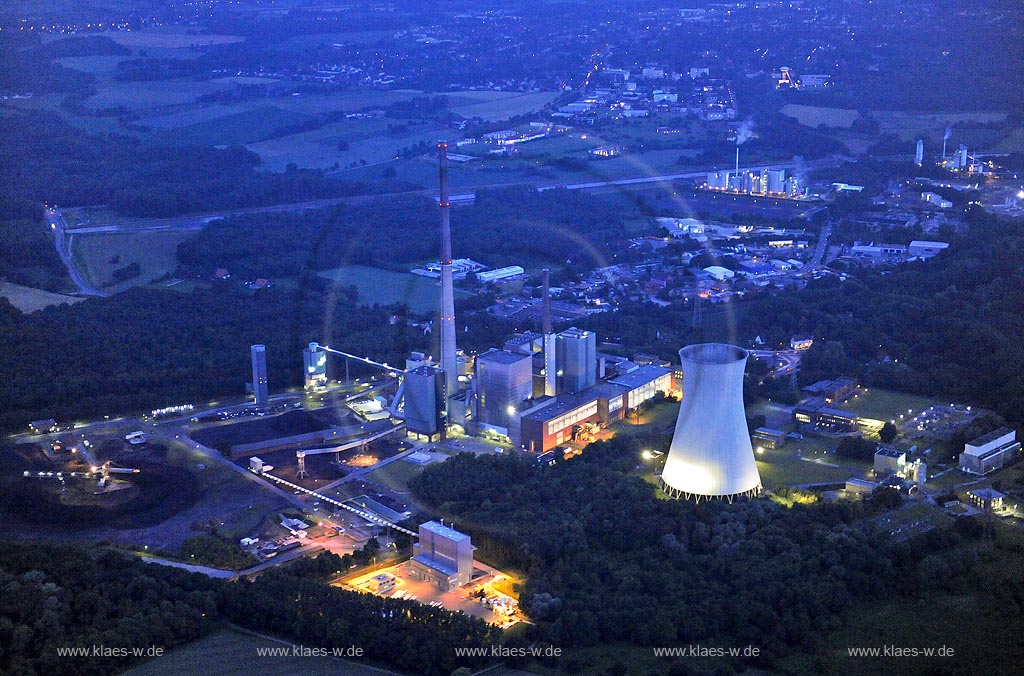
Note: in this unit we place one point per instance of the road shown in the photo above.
(791, 359)
(199, 220)
(819, 251)
(62, 242)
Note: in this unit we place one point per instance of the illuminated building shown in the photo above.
(576, 360)
(504, 380)
(989, 452)
(443, 556)
(711, 455)
(314, 361)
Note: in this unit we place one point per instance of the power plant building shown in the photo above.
(424, 389)
(576, 360)
(259, 375)
(559, 420)
(989, 452)
(314, 362)
(711, 455)
(504, 380)
(443, 556)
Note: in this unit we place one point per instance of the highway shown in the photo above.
(62, 242)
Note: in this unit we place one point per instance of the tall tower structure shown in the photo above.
(919, 152)
(547, 327)
(449, 362)
(710, 455)
(259, 375)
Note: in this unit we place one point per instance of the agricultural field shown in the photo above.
(96, 65)
(147, 39)
(233, 653)
(369, 143)
(97, 256)
(812, 116)
(235, 128)
(909, 126)
(383, 287)
(498, 105)
(138, 96)
(28, 299)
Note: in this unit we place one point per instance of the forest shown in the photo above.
(504, 226)
(143, 349)
(609, 563)
(58, 596)
(137, 180)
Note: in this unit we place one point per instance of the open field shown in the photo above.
(1014, 143)
(369, 143)
(383, 287)
(909, 126)
(28, 299)
(141, 95)
(885, 405)
(237, 128)
(812, 116)
(233, 653)
(498, 105)
(782, 467)
(147, 39)
(96, 65)
(99, 255)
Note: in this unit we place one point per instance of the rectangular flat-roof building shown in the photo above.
(766, 437)
(576, 360)
(443, 556)
(641, 384)
(504, 381)
(424, 400)
(989, 452)
(890, 461)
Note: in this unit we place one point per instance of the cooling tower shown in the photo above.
(711, 455)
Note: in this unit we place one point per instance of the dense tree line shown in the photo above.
(58, 596)
(143, 348)
(607, 561)
(516, 225)
(28, 255)
(45, 159)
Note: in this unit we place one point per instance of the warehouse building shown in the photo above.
(989, 452)
(443, 556)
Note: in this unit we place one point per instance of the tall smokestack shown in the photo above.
(737, 163)
(550, 365)
(546, 319)
(448, 360)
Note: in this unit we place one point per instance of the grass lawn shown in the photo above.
(884, 404)
(395, 475)
(812, 116)
(246, 126)
(233, 653)
(28, 299)
(383, 287)
(141, 95)
(99, 255)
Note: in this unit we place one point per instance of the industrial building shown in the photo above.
(711, 455)
(314, 361)
(768, 438)
(989, 452)
(443, 556)
(987, 499)
(926, 249)
(889, 461)
(814, 412)
(859, 487)
(504, 380)
(555, 421)
(424, 388)
(259, 375)
(576, 360)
